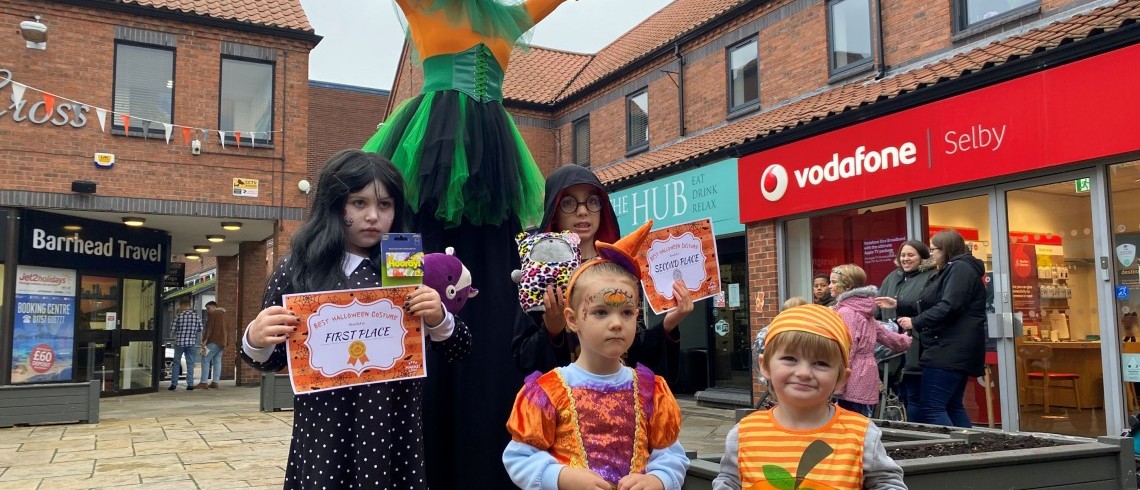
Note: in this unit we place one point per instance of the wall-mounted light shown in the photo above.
(133, 221)
(34, 32)
(216, 238)
(231, 225)
(193, 256)
(72, 227)
(304, 186)
(201, 248)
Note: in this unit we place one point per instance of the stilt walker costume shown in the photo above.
(471, 184)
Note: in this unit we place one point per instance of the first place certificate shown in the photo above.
(353, 337)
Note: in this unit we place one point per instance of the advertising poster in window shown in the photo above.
(353, 337)
(684, 252)
(1023, 281)
(43, 337)
(1127, 287)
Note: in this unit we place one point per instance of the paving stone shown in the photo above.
(24, 471)
(77, 483)
(12, 457)
(151, 465)
(61, 445)
(120, 452)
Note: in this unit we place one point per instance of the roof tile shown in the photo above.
(284, 14)
(835, 100)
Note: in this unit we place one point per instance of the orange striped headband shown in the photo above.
(622, 252)
(816, 319)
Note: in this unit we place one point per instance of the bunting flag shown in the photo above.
(19, 90)
(102, 115)
(49, 104)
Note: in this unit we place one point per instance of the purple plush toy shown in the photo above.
(447, 275)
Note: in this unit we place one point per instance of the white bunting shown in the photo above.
(168, 127)
(102, 115)
(222, 136)
(17, 92)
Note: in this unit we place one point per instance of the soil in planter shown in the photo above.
(935, 429)
(988, 443)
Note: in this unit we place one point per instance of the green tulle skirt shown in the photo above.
(463, 158)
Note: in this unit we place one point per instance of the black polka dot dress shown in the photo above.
(363, 436)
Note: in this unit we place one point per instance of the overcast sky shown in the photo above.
(362, 38)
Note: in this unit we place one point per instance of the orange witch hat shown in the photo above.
(622, 252)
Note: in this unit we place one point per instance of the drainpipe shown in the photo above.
(882, 71)
(680, 86)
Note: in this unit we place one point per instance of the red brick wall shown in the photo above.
(251, 279)
(228, 296)
(79, 64)
(762, 277)
(913, 29)
(339, 119)
(793, 56)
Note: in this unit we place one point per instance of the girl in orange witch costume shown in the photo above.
(805, 441)
(595, 423)
(472, 185)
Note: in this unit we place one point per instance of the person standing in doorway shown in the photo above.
(214, 342)
(187, 328)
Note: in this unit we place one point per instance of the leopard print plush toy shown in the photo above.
(548, 259)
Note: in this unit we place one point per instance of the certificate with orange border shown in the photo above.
(353, 337)
(687, 252)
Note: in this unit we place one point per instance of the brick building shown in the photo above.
(137, 133)
(797, 125)
(341, 116)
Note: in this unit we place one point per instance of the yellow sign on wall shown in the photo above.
(245, 187)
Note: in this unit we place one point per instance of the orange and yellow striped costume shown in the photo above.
(764, 443)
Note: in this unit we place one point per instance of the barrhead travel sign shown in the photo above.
(1071, 113)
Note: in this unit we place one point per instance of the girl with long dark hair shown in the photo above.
(367, 436)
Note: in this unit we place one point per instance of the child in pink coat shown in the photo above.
(855, 303)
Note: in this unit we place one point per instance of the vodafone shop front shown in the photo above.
(1041, 175)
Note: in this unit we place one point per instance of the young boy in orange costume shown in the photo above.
(805, 438)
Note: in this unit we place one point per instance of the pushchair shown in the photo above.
(890, 364)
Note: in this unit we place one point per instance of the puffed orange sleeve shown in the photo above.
(533, 417)
(665, 422)
(539, 9)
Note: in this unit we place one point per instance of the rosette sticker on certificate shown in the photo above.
(353, 337)
(684, 252)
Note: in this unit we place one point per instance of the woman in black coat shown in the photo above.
(898, 297)
(951, 326)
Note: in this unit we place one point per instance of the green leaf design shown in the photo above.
(779, 477)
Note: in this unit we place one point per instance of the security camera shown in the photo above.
(304, 186)
(196, 147)
(34, 31)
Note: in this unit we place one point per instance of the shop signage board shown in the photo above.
(1070, 113)
(98, 245)
(705, 192)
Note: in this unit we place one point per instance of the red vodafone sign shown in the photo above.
(1078, 111)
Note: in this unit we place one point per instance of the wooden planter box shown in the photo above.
(49, 403)
(1104, 463)
(276, 392)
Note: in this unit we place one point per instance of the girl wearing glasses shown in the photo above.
(576, 201)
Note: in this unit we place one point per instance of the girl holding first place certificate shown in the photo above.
(367, 436)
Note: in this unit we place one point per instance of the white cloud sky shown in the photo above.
(362, 39)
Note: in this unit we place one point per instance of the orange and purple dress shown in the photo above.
(614, 425)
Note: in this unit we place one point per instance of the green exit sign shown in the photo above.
(1082, 184)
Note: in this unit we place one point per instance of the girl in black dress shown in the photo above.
(368, 436)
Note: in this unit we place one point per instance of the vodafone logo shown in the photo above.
(774, 182)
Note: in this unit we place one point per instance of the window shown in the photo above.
(849, 34)
(637, 121)
(743, 76)
(971, 12)
(144, 88)
(582, 142)
(247, 99)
